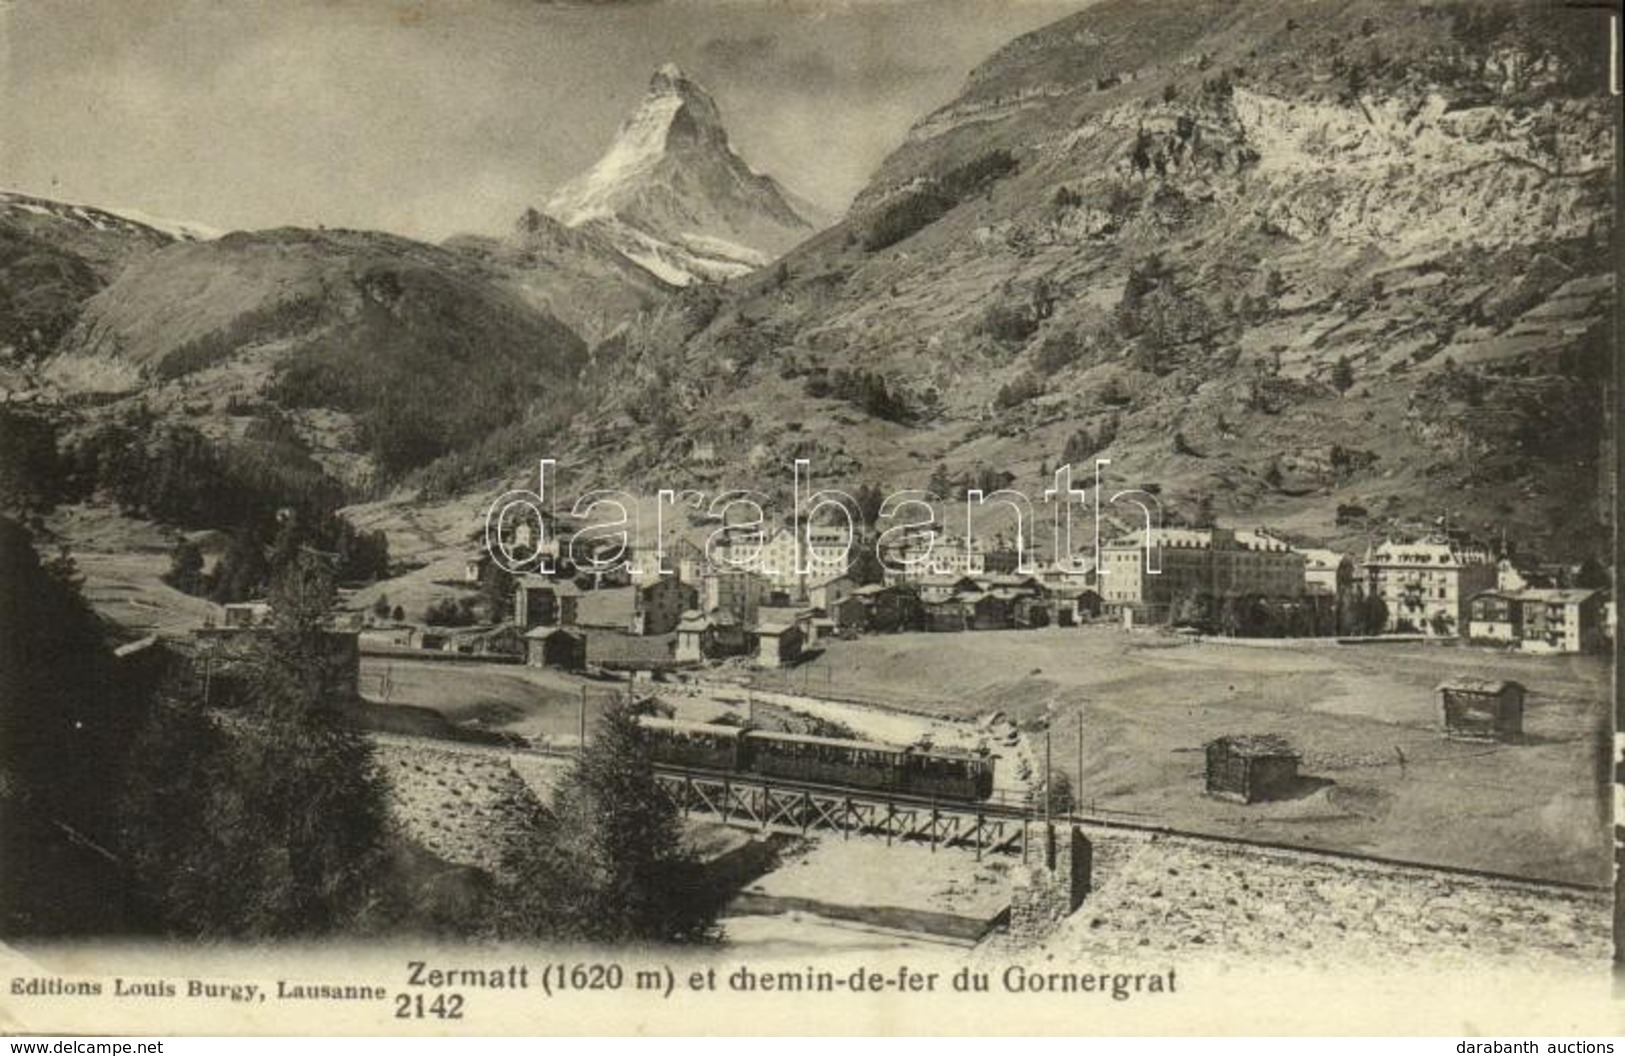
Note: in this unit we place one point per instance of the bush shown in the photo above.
(1008, 324)
(447, 612)
(1014, 393)
(1343, 374)
(1057, 351)
(864, 389)
(1079, 448)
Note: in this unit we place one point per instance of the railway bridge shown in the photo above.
(780, 805)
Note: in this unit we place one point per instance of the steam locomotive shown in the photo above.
(941, 773)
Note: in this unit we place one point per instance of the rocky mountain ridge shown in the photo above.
(1258, 255)
(673, 195)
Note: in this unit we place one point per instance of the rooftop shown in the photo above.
(1479, 685)
(1254, 745)
(1200, 539)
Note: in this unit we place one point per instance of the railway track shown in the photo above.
(802, 805)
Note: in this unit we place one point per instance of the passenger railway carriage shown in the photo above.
(826, 760)
(696, 744)
(938, 773)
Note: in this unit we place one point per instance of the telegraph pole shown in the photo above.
(1049, 799)
(1077, 785)
(583, 720)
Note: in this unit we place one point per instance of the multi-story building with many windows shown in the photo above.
(1196, 562)
(1426, 585)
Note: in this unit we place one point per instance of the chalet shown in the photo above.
(738, 592)
(799, 616)
(560, 647)
(826, 592)
(989, 610)
(1074, 605)
(943, 616)
(504, 640)
(1539, 620)
(778, 644)
(1031, 610)
(144, 664)
(658, 604)
(849, 614)
(730, 633)
(695, 639)
(540, 601)
(1562, 621)
(882, 607)
(935, 589)
(1481, 709)
(1251, 768)
(707, 637)
(1016, 583)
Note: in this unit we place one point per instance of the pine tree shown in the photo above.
(1342, 374)
(186, 568)
(613, 868)
(274, 824)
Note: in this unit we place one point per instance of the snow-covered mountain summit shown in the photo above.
(673, 195)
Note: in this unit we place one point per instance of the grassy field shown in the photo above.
(1146, 704)
(535, 702)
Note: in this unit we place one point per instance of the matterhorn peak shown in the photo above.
(670, 77)
(675, 197)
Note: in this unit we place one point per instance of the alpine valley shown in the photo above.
(1334, 267)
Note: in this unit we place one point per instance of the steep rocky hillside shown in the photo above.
(1337, 267)
(392, 352)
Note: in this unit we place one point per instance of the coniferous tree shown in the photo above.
(186, 568)
(275, 823)
(613, 868)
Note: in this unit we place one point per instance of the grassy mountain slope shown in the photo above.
(572, 274)
(1277, 259)
(392, 352)
(53, 257)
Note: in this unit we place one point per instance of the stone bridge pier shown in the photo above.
(1053, 880)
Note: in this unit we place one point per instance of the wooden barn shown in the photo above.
(556, 647)
(1251, 768)
(1481, 709)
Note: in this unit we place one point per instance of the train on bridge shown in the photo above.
(941, 773)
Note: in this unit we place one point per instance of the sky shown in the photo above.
(434, 117)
